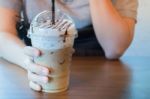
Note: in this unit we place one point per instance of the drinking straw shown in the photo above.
(53, 12)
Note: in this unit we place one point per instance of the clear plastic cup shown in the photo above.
(56, 45)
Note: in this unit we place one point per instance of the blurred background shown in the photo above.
(141, 43)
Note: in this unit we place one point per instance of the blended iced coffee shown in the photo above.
(55, 39)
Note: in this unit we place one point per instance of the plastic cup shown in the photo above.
(56, 48)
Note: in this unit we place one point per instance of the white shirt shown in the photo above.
(80, 8)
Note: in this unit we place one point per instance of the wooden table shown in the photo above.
(91, 78)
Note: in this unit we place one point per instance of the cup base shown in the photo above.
(55, 91)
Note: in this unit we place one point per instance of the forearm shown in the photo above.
(11, 49)
(111, 29)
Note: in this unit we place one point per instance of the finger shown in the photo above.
(35, 86)
(31, 51)
(37, 78)
(35, 68)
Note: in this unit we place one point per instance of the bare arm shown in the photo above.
(15, 51)
(11, 47)
(113, 31)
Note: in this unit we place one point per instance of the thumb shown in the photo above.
(31, 51)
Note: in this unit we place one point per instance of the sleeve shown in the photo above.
(127, 8)
(11, 4)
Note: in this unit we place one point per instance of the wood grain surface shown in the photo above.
(91, 78)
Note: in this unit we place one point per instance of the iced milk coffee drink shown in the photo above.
(56, 43)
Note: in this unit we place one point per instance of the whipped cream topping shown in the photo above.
(43, 24)
(46, 35)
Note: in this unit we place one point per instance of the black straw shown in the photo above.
(53, 12)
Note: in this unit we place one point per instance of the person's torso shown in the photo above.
(78, 10)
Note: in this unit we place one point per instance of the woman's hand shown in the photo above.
(36, 74)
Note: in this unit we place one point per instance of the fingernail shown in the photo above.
(45, 79)
(38, 88)
(37, 53)
(45, 71)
